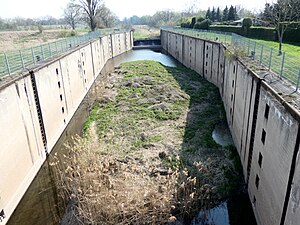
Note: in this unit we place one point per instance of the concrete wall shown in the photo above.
(264, 128)
(36, 108)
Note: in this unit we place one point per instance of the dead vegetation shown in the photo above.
(147, 156)
(16, 40)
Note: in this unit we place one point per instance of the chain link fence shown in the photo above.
(14, 61)
(284, 65)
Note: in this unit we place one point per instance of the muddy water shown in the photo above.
(40, 205)
(221, 134)
(146, 54)
(235, 211)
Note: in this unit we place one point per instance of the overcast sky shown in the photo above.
(122, 8)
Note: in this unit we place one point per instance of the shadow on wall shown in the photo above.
(217, 169)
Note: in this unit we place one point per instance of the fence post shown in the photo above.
(254, 50)
(261, 54)
(298, 81)
(32, 54)
(42, 50)
(56, 50)
(271, 55)
(282, 65)
(22, 61)
(249, 47)
(49, 49)
(7, 64)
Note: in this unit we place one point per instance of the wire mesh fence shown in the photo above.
(285, 65)
(11, 62)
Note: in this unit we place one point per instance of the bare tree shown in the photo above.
(191, 8)
(72, 14)
(282, 15)
(90, 9)
(106, 17)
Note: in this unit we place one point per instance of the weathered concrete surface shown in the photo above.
(281, 130)
(199, 56)
(37, 107)
(293, 210)
(21, 151)
(268, 145)
(189, 52)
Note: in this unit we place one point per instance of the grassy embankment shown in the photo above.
(147, 156)
(291, 49)
(143, 31)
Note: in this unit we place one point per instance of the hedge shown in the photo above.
(253, 32)
(264, 33)
(292, 35)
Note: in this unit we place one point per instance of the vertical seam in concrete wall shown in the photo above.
(255, 110)
(182, 49)
(235, 84)
(94, 75)
(102, 48)
(111, 46)
(218, 69)
(204, 58)
(248, 120)
(223, 73)
(195, 57)
(212, 62)
(291, 176)
(39, 111)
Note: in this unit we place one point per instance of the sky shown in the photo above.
(122, 8)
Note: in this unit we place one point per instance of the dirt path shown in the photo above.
(148, 156)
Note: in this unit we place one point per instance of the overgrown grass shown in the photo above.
(148, 156)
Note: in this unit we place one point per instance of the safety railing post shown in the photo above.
(261, 54)
(49, 49)
(249, 47)
(298, 81)
(282, 65)
(56, 50)
(32, 54)
(21, 57)
(7, 64)
(42, 50)
(254, 50)
(271, 56)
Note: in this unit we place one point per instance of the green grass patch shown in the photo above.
(292, 49)
(137, 35)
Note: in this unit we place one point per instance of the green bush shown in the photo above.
(204, 25)
(200, 19)
(247, 22)
(186, 23)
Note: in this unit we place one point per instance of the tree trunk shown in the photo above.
(280, 46)
(280, 38)
(92, 23)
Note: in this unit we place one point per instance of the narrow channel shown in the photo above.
(41, 205)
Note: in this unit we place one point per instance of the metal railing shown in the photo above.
(14, 61)
(284, 65)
